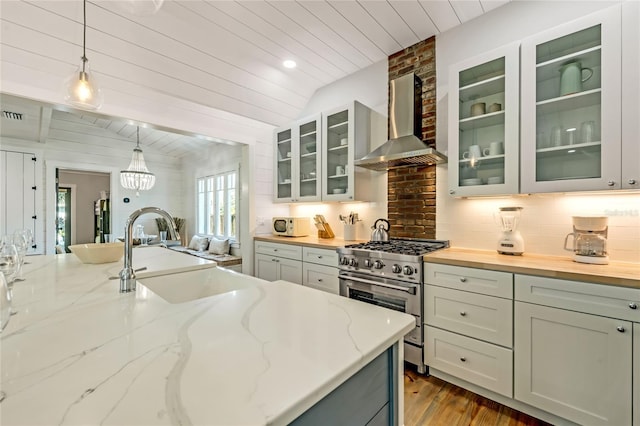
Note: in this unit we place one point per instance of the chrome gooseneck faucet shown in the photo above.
(127, 275)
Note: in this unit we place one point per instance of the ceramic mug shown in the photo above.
(339, 170)
(495, 148)
(478, 109)
(474, 152)
(495, 107)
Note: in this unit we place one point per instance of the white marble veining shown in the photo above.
(80, 353)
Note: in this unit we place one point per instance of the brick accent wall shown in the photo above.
(411, 207)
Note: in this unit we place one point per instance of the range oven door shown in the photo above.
(388, 293)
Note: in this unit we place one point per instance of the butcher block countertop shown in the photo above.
(309, 241)
(615, 273)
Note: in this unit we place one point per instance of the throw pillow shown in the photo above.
(199, 243)
(217, 246)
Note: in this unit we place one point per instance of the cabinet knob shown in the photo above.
(319, 280)
(463, 314)
(275, 249)
(611, 183)
(620, 329)
(452, 192)
(463, 359)
(319, 257)
(632, 181)
(463, 279)
(632, 305)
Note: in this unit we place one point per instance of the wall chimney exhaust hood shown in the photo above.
(405, 148)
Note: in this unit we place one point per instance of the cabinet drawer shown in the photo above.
(598, 299)
(491, 283)
(480, 363)
(320, 256)
(276, 249)
(321, 277)
(475, 315)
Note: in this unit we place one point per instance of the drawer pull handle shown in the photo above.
(463, 279)
(275, 249)
(620, 329)
(633, 305)
(319, 257)
(463, 359)
(319, 280)
(463, 314)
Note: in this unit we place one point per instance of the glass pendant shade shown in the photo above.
(137, 176)
(82, 88)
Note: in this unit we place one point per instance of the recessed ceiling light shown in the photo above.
(289, 63)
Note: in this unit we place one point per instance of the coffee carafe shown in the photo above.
(589, 240)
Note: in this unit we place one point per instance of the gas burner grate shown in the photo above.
(399, 246)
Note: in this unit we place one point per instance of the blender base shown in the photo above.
(594, 260)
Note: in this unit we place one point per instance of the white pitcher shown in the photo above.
(572, 75)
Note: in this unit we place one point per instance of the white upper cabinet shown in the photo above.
(314, 157)
(484, 123)
(571, 106)
(297, 161)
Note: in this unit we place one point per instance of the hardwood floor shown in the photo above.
(431, 401)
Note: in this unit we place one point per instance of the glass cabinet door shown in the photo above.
(338, 155)
(571, 106)
(308, 159)
(284, 167)
(483, 124)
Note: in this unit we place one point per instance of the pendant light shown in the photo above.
(137, 176)
(82, 88)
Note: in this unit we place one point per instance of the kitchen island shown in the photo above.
(79, 352)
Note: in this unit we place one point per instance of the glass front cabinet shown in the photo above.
(345, 134)
(297, 159)
(571, 106)
(484, 123)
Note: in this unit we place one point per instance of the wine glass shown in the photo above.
(5, 302)
(20, 241)
(9, 259)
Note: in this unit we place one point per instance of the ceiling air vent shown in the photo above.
(12, 115)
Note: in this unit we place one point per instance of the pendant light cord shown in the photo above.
(84, 34)
(138, 136)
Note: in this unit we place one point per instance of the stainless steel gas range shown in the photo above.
(390, 274)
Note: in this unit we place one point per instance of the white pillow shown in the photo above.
(217, 246)
(199, 243)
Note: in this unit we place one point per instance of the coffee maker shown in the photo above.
(589, 240)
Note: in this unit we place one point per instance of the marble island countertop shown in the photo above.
(79, 352)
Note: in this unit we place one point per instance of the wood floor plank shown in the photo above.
(431, 401)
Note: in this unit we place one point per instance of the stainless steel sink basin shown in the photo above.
(192, 285)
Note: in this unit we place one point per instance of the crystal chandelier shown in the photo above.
(82, 88)
(137, 176)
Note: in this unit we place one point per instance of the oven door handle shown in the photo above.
(410, 290)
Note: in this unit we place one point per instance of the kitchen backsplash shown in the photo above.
(546, 220)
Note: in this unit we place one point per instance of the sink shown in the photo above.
(186, 286)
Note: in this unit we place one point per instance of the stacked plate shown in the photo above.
(472, 181)
(493, 180)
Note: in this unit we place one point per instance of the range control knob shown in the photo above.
(407, 270)
(353, 262)
(396, 269)
(344, 261)
(368, 263)
(378, 264)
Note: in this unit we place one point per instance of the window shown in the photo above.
(217, 206)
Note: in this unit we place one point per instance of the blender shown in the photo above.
(589, 240)
(510, 241)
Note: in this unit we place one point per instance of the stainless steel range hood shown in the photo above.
(405, 148)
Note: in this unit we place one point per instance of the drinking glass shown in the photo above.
(587, 131)
(20, 241)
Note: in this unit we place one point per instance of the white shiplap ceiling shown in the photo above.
(224, 54)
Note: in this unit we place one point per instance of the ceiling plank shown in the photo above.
(416, 18)
(390, 20)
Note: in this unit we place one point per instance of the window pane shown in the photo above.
(202, 206)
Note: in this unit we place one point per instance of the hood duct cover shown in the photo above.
(405, 148)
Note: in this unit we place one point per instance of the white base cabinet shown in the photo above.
(274, 261)
(576, 365)
(320, 269)
(636, 374)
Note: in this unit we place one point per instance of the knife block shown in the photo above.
(327, 233)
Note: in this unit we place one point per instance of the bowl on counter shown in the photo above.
(98, 253)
